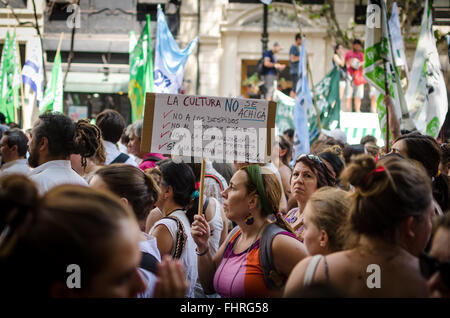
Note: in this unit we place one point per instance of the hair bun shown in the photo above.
(358, 169)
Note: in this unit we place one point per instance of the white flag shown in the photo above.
(426, 94)
(32, 72)
(379, 64)
(397, 40)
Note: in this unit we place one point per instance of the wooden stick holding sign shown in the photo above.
(202, 186)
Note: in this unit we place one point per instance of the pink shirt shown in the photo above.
(351, 55)
(150, 163)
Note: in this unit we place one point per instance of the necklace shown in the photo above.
(242, 262)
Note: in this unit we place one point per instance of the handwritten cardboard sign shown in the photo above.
(217, 128)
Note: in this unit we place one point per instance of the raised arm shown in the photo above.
(207, 264)
(394, 124)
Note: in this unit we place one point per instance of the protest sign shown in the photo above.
(217, 128)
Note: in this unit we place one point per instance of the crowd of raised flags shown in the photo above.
(422, 105)
(167, 76)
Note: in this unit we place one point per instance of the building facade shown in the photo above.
(229, 44)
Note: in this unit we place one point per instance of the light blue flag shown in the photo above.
(266, 1)
(303, 107)
(169, 59)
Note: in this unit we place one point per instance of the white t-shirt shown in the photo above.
(149, 246)
(54, 173)
(188, 258)
(15, 166)
(112, 152)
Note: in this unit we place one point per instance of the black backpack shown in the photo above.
(272, 278)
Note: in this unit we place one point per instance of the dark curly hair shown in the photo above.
(319, 168)
(66, 137)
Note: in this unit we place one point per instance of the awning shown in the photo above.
(90, 82)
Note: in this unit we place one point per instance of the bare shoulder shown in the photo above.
(283, 243)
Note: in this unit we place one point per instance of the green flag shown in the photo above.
(53, 96)
(10, 78)
(328, 104)
(328, 100)
(285, 111)
(141, 72)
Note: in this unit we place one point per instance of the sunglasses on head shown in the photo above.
(312, 157)
(430, 265)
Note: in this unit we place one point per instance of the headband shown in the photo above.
(379, 169)
(254, 172)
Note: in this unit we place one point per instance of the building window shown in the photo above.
(441, 12)
(248, 70)
(58, 10)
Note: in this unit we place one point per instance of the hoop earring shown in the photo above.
(249, 220)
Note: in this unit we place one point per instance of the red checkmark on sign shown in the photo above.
(167, 114)
(164, 126)
(160, 146)
(162, 135)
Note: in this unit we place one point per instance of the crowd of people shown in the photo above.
(349, 62)
(86, 195)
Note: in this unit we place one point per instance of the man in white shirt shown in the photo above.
(13, 149)
(54, 138)
(112, 125)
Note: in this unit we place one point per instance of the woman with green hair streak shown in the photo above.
(251, 201)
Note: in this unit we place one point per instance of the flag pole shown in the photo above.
(21, 83)
(59, 44)
(387, 93)
(202, 186)
(299, 24)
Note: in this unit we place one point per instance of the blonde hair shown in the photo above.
(331, 207)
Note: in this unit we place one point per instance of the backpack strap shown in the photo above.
(272, 278)
(181, 237)
(232, 233)
(149, 263)
(121, 158)
(215, 178)
(205, 205)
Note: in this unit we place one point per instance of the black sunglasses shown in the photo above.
(430, 265)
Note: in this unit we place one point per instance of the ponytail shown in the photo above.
(281, 222)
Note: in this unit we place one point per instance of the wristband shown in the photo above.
(202, 253)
